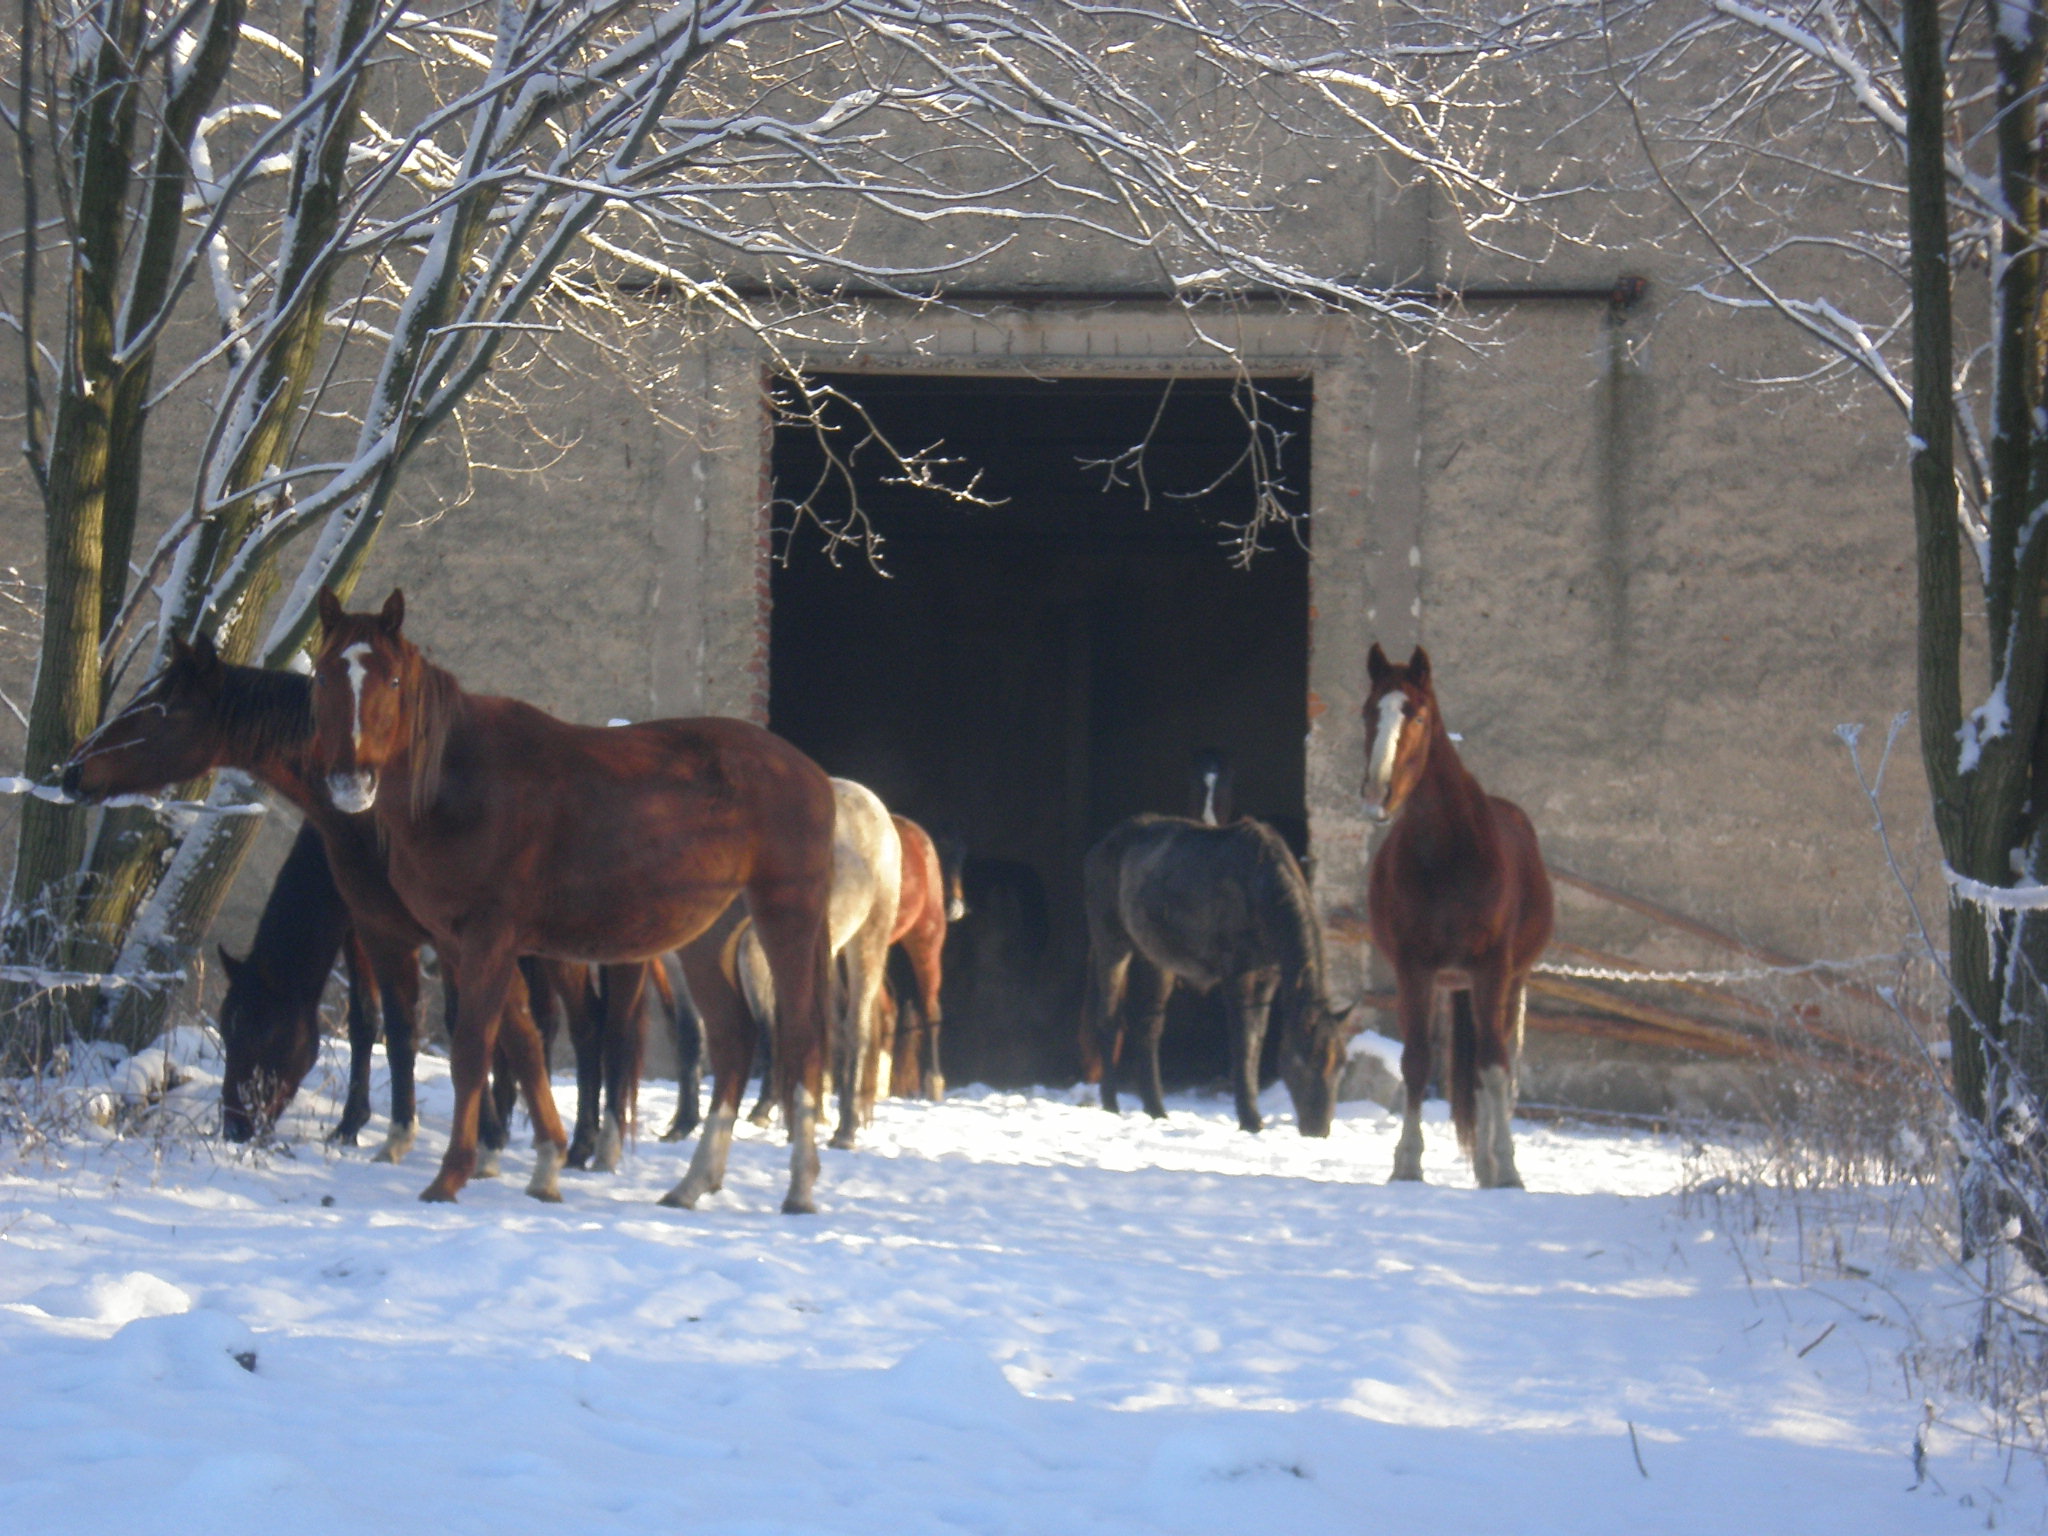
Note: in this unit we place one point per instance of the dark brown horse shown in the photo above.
(200, 713)
(1459, 898)
(511, 832)
(1172, 899)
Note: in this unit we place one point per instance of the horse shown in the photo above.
(1170, 899)
(1458, 897)
(510, 832)
(200, 713)
(930, 898)
(867, 879)
(1212, 782)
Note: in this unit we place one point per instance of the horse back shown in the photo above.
(1202, 902)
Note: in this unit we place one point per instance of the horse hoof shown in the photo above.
(341, 1138)
(842, 1141)
(794, 1205)
(438, 1193)
(679, 1130)
(396, 1145)
(678, 1199)
(546, 1196)
(935, 1090)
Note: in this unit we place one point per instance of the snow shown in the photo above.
(1016, 1313)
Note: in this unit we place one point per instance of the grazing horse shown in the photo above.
(200, 713)
(867, 877)
(1171, 899)
(1459, 897)
(928, 900)
(510, 832)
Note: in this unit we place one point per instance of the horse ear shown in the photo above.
(392, 615)
(1376, 663)
(1418, 668)
(329, 606)
(229, 963)
(203, 652)
(1342, 1019)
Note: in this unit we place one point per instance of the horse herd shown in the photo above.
(551, 866)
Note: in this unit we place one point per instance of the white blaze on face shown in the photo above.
(354, 792)
(1209, 798)
(357, 657)
(1386, 741)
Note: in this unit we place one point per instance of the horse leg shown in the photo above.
(530, 1064)
(1102, 1021)
(1493, 1147)
(689, 1027)
(791, 923)
(729, 1031)
(763, 1063)
(925, 951)
(362, 1042)
(866, 959)
(480, 992)
(1415, 990)
(585, 1008)
(397, 969)
(625, 1002)
(1150, 987)
(1249, 1001)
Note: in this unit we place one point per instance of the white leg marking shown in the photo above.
(489, 1163)
(611, 1146)
(546, 1183)
(1408, 1151)
(707, 1163)
(803, 1155)
(397, 1144)
(1496, 1105)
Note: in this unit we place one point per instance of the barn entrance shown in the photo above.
(1024, 675)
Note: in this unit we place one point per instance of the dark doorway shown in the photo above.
(1026, 675)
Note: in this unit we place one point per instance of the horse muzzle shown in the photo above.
(352, 792)
(1375, 802)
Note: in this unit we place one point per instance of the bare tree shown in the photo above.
(1872, 173)
(314, 234)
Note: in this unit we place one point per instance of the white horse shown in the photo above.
(860, 919)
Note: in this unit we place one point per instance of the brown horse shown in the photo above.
(1459, 898)
(201, 713)
(927, 900)
(511, 832)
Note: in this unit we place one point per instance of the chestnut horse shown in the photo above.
(1172, 899)
(929, 899)
(1459, 898)
(200, 713)
(510, 832)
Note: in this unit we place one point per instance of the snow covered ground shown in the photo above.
(1015, 1314)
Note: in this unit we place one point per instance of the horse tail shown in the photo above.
(1464, 1068)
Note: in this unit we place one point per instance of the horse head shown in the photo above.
(1211, 788)
(167, 733)
(364, 692)
(270, 1047)
(1400, 721)
(1312, 1057)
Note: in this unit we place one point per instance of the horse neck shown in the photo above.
(1299, 941)
(440, 719)
(1446, 811)
(265, 720)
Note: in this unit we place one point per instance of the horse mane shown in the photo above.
(439, 705)
(1297, 934)
(267, 713)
